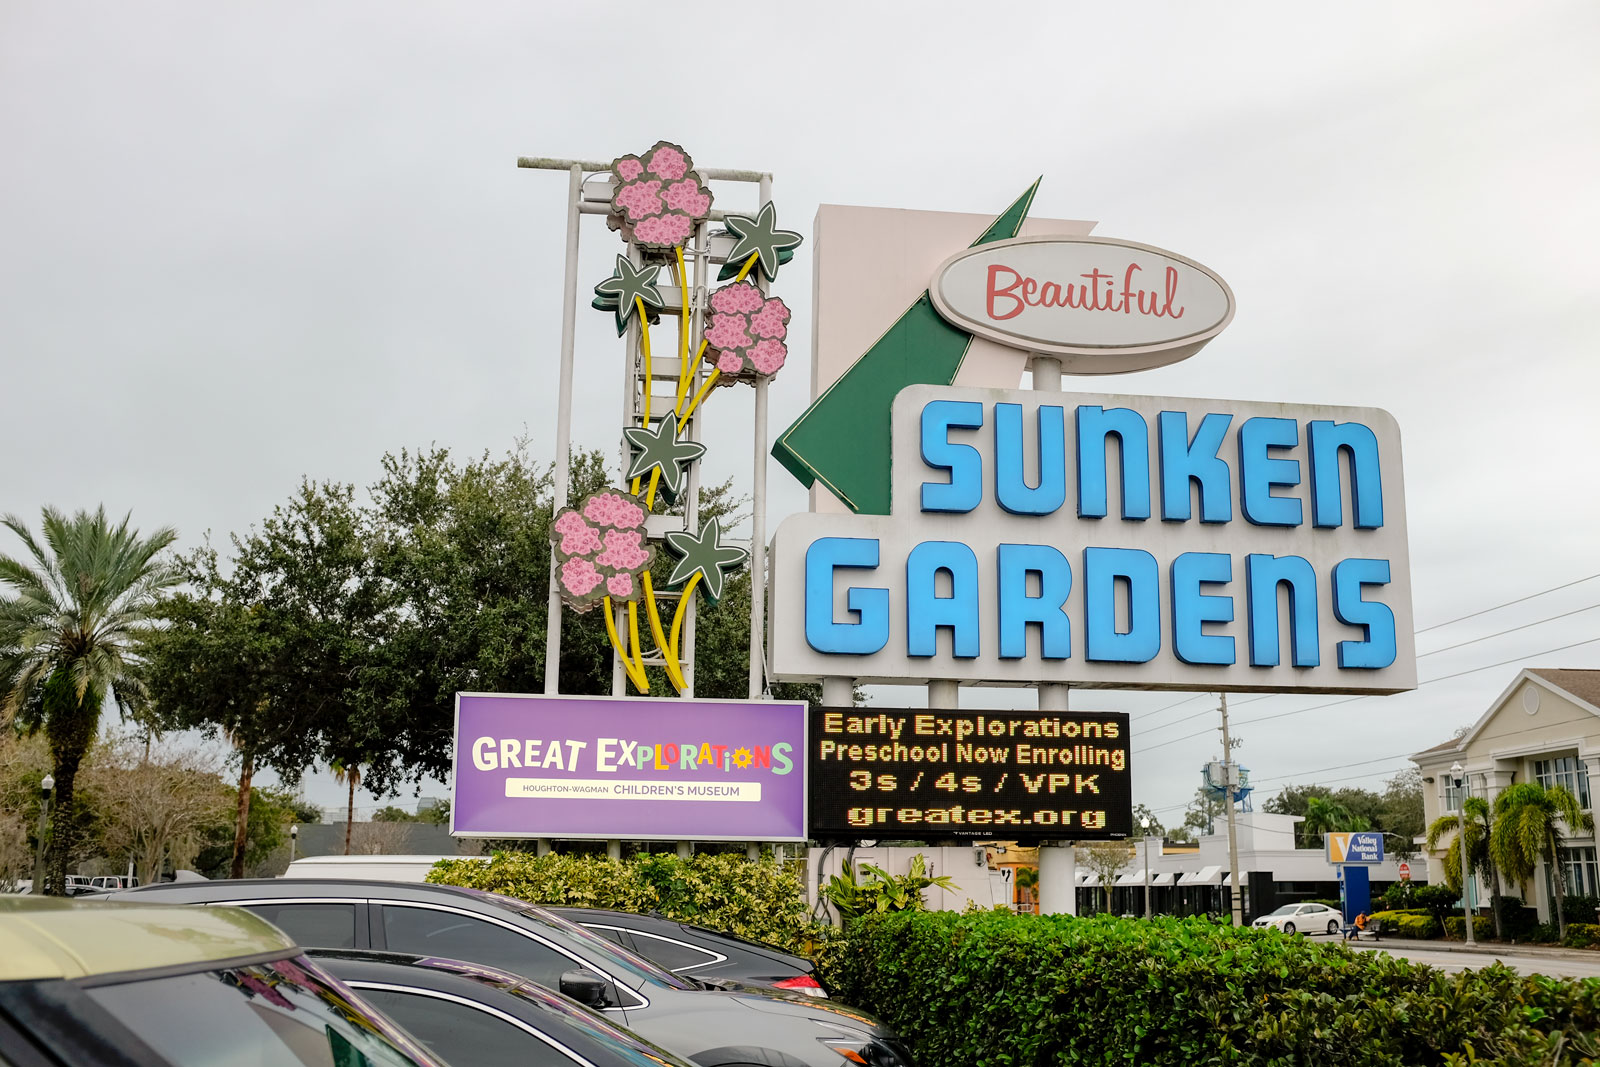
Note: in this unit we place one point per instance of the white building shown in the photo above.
(1545, 728)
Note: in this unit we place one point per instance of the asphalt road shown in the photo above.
(1562, 965)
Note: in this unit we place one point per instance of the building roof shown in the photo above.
(1583, 686)
(53, 937)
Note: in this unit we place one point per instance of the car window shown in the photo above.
(610, 933)
(276, 1014)
(464, 1034)
(312, 925)
(429, 932)
(608, 954)
(672, 955)
(1287, 909)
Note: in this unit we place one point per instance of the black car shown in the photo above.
(713, 1027)
(470, 1014)
(684, 948)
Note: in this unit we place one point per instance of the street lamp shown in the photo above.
(1144, 823)
(1458, 776)
(294, 839)
(47, 786)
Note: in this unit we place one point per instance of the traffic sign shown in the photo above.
(1355, 846)
(1405, 872)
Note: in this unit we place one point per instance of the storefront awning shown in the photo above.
(1132, 878)
(1090, 881)
(1164, 878)
(1204, 876)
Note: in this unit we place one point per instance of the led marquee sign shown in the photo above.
(1113, 542)
(935, 774)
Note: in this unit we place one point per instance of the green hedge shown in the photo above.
(1583, 935)
(1455, 928)
(763, 901)
(1422, 927)
(992, 988)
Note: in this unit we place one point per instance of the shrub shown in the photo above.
(763, 901)
(995, 988)
(1422, 927)
(1583, 935)
(1455, 928)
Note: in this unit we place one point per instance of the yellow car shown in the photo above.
(97, 984)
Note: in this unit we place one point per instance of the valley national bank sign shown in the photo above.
(1106, 541)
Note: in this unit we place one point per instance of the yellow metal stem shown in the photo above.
(701, 395)
(677, 617)
(644, 346)
(650, 497)
(746, 268)
(633, 636)
(673, 673)
(685, 371)
(642, 684)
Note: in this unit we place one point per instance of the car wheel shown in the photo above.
(1288, 928)
(1333, 926)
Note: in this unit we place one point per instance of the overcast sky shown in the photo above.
(242, 243)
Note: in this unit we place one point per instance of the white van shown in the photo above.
(382, 868)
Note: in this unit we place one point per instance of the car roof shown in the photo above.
(267, 888)
(665, 925)
(55, 937)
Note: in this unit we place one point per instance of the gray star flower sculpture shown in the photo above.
(661, 448)
(761, 237)
(627, 285)
(703, 553)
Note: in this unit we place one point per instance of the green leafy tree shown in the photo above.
(1106, 859)
(217, 667)
(1325, 815)
(437, 813)
(1201, 816)
(1470, 832)
(390, 813)
(1531, 823)
(84, 600)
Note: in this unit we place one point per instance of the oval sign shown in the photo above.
(1104, 306)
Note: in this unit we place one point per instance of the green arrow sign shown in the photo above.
(842, 439)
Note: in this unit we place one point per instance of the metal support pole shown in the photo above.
(1047, 379)
(1147, 874)
(838, 692)
(1237, 896)
(613, 850)
(569, 324)
(44, 826)
(944, 694)
(1466, 865)
(758, 509)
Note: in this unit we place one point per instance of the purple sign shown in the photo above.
(634, 769)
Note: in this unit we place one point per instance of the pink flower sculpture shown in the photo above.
(659, 197)
(600, 549)
(745, 339)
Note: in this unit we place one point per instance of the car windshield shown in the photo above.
(280, 1014)
(609, 953)
(1287, 909)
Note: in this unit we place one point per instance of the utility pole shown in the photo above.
(1228, 778)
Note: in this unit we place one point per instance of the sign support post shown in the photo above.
(1237, 895)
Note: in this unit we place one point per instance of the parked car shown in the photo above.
(711, 1026)
(684, 948)
(467, 1013)
(114, 881)
(1302, 918)
(95, 984)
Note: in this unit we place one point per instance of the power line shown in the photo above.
(1507, 604)
(1424, 655)
(1335, 703)
(1512, 630)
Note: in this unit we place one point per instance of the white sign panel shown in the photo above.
(1114, 542)
(1104, 306)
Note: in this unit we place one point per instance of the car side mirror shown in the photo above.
(586, 988)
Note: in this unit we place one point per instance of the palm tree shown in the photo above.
(71, 634)
(347, 775)
(1473, 829)
(1027, 879)
(1325, 815)
(1528, 831)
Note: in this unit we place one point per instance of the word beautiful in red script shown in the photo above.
(1010, 291)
